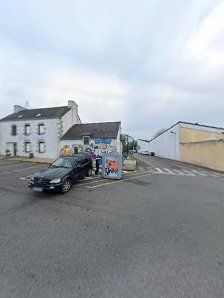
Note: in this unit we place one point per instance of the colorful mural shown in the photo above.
(103, 141)
(71, 149)
(96, 148)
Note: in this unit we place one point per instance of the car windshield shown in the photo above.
(63, 162)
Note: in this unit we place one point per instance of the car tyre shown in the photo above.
(66, 186)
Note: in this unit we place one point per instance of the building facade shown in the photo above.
(99, 138)
(36, 132)
(47, 132)
(192, 143)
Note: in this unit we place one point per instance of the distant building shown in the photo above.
(192, 143)
(46, 132)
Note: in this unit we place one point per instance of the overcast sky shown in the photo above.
(148, 63)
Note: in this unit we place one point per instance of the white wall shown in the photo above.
(167, 144)
(51, 137)
(70, 118)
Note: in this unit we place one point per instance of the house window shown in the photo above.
(27, 129)
(40, 129)
(86, 140)
(27, 147)
(41, 147)
(13, 130)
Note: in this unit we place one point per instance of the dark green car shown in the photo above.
(60, 175)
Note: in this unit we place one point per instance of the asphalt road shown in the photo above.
(156, 233)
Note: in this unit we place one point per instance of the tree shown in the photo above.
(159, 132)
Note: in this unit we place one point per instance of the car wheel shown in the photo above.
(89, 173)
(66, 186)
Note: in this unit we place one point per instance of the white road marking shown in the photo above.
(178, 172)
(14, 165)
(168, 171)
(119, 181)
(199, 173)
(100, 180)
(27, 178)
(16, 171)
(188, 173)
(159, 171)
(212, 174)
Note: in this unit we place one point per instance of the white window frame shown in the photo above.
(40, 128)
(27, 150)
(41, 150)
(29, 129)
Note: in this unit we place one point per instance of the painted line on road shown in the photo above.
(27, 178)
(178, 172)
(188, 173)
(199, 173)
(16, 171)
(159, 171)
(168, 171)
(100, 180)
(119, 181)
(10, 163)
(212, 174)
(15, 165)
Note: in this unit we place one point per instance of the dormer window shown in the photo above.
(27, 129)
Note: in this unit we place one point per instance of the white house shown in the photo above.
(36, 131)
(47, 132)
(99, 138)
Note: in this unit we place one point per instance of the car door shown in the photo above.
(85, 164)
(77, 168)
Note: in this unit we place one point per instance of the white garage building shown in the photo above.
(174, 142)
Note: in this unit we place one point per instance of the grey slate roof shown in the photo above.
(103, 130)
(31, 114)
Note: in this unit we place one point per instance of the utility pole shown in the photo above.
(127, 145)
(132, 143)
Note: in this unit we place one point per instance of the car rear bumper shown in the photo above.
(40, 187)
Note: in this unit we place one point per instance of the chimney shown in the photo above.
(18, 108)
(75, 115)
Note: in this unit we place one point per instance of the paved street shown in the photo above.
(156, 233)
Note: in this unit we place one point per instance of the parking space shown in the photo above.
(17, 173)
(13, 167)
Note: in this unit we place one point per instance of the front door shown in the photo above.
(14, 149)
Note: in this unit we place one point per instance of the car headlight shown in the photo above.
(32, 178)
(57, 180)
